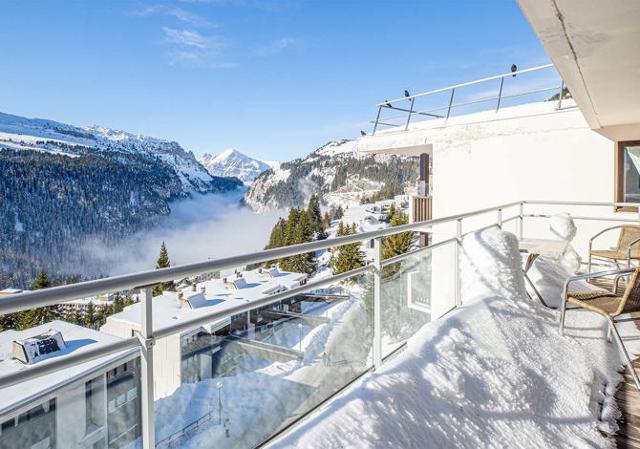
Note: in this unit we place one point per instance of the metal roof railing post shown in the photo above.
(453, 91)
(500, 94)
(375, 125)
(406, 126)
(560, 94)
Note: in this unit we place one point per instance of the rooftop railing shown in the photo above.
(516, 87)
(373, 322)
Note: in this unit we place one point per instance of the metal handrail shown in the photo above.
(64, 293)
(430, 113)
(468, 83)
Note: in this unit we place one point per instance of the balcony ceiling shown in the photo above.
(595, 46)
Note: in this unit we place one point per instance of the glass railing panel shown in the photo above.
(415, 291)
(236, 384)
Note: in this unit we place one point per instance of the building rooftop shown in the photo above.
(214, 293)
(76, 338)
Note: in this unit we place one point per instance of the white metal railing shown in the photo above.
(406, 108)
(144, 281)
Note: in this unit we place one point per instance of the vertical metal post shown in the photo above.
(521, 222)
(453, 91)
(406, 126)
(560, 95)
(456, 261)
(375, 125)
(148, 417)
(500, 218)
(500, 94)
(377, 293)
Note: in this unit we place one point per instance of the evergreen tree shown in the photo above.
(298, 230)
(41, 315)
(397, 244)
(326, 220)
(162, 262)
(315, 217)
(348, 257)
(90, 316)
(392, 211)
(41, 282)
(339, 213)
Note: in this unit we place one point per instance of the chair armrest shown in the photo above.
(600, 233)
(635, 242)
(617, 278)
(597, 274)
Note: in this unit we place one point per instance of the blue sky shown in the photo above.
(273, 79)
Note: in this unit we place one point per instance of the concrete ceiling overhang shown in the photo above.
(595, 45)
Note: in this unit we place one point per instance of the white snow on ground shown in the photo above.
(495, 373)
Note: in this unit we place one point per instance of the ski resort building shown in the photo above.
(192, 356)
(94, 404)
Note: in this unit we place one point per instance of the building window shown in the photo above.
(628, 173)
(94, 403)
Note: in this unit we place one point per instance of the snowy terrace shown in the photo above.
(439, 347)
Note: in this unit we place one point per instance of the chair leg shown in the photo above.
(563, 311)
(612, 327)
(589, 263)
(609, 335)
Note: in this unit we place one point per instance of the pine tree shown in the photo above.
(41, 315)
(90, 316)
(392, 211)
(326, 220)
(298, 230)
(162, 262)
(339, 213)
(348, 257)
(315, 217)
(397, 244)
(41, 282)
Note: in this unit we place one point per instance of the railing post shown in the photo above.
(499, 218)
(406, 126)
(146, 335)
(453, 91)
(500, 94)
(521, 221)
(377, 293)
(375, 125)
(456, 261)
(560, 95)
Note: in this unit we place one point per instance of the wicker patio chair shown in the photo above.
(607, 303)
(627, 248)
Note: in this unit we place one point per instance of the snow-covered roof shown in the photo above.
(420, 137)
(10, 291)
(76, 339)
(210, 295)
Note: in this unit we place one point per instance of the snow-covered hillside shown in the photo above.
(59, 138)
(336, 171)
(232, 163)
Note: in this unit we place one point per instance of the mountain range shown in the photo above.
(61, 185)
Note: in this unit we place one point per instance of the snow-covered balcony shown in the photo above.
(441, 346)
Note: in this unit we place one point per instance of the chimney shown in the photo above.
(184, 304)
(193, 287)
(203, 289)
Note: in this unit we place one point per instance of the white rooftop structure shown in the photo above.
(215, 293)
(76, 339)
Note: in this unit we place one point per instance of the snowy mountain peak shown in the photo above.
(232, 163)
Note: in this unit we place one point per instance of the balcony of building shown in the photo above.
(446, 345)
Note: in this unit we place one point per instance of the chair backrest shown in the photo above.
(631, 298)
(629, 233)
